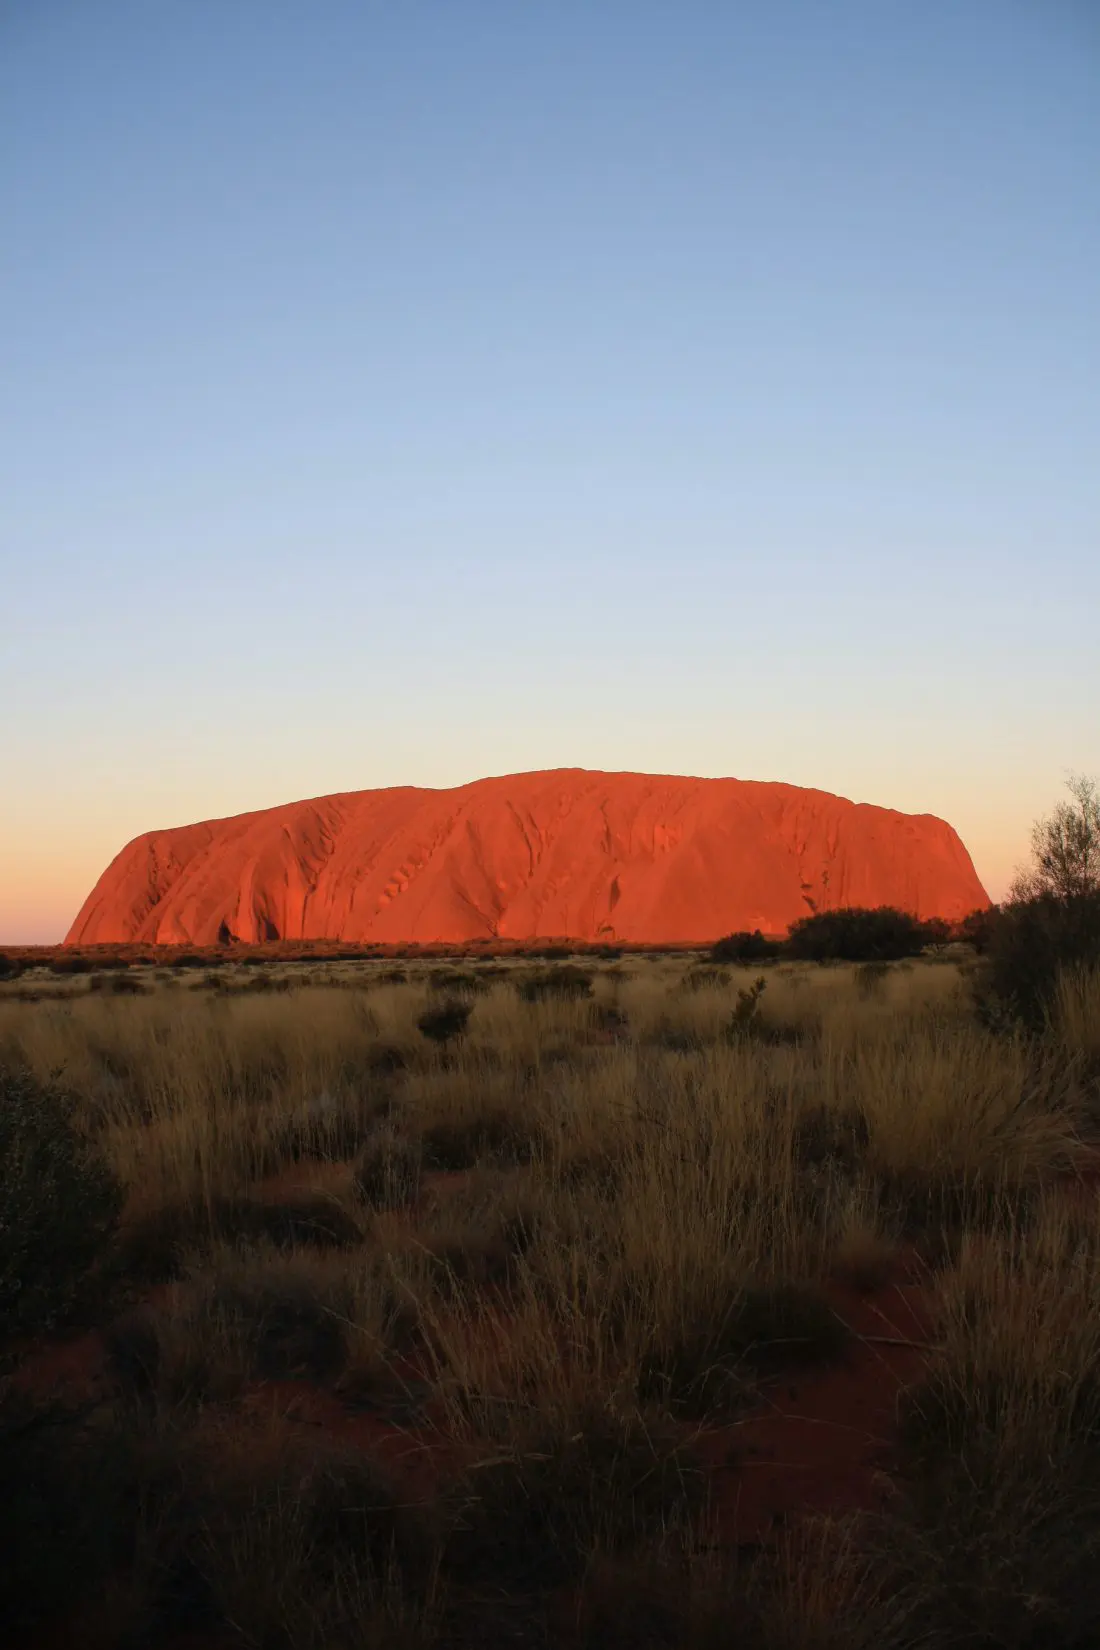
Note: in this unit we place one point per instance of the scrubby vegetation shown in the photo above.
(745, 947)
(854, 935)
(1050, 925)
(59, 1202)
(621, 1301)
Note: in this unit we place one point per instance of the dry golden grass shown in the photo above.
(1076, 1017)
(599, 1220)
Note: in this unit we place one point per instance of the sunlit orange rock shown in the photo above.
(592, 856)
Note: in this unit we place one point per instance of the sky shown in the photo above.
(405, 393)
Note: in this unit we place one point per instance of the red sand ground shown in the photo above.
(821, 1442)
(634, 858)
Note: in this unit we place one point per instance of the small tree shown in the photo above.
(1051, 920)
(1065, 848)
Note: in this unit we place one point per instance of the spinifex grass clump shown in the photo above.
(996, 1540)
(446, 1023)
(388, 1171)
(711, 1368)
(258, 1316)
(154, 1246)
(554, 1490)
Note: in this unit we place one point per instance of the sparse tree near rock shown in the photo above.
(1065, 848)
(1051, 920)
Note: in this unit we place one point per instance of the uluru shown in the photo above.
(591, 856)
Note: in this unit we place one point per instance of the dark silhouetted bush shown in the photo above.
(744, 947)
(445, 1023)
(856, 935)
(10, 967)
(937, 933)
(977, 927)
(1029, 944)
(59, 1204)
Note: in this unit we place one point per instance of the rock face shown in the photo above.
(568, 853)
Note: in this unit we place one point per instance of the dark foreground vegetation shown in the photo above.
(686, 1301)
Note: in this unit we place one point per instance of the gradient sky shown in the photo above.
(403, 393)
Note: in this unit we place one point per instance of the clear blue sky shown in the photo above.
(408, 392)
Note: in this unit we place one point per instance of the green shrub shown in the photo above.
(745, 1018)
(744, 947)
(10, 967)
(853, 934)
(59, 1205)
